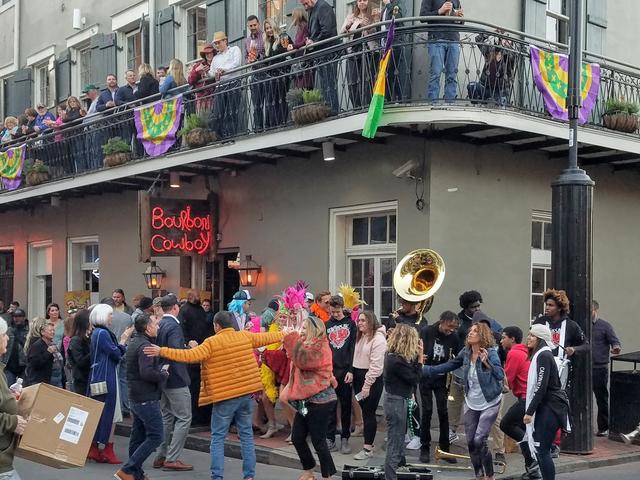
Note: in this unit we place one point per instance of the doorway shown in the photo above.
(6, 276)
(221, 280)
(40, 278)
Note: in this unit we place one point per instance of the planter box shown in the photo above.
(622, 122)
(36, 178)
(199, 137)
(310, 113)
(116, 159)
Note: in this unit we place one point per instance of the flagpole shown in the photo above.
(571, 245)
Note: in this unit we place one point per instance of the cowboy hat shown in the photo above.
(219, 36)
(205, 49)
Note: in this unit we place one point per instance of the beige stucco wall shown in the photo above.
(483, 231)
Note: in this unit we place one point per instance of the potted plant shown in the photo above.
(621, 115)
(116, 152)
(295, 97)
(36, 172)
(194, 131)
(313, 108)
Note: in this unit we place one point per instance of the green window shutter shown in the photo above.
(236, 21)
(63, 76)
(596, 34)
(535, 17)
(17, 92)
(216, 17)
(165, 37)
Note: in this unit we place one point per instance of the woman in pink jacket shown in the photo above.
(368, 363)
(311, 392)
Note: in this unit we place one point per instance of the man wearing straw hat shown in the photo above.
(224, 117)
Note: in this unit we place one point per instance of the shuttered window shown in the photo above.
(63, 76)
(227, 16)
(535, 17)
(103, 58)
(17, 92)
(596, 35)
(165, 37)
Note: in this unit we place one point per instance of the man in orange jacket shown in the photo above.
(229, 375)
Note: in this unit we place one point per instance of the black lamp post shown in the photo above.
(572, 215)
(153, 276)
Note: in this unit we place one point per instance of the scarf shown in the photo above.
(532, 387)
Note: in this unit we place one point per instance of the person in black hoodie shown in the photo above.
(341, 332)
(565, 333)
(408, 314)
(79, 353)
(16, 358)
(440, 344)
(547, 405)
(402, 368)
(144, 378)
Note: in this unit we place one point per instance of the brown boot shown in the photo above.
(123, 475)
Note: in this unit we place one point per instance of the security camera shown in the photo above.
(404, 170)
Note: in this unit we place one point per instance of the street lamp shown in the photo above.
(571, 244)
(249, 271)
(153, 276)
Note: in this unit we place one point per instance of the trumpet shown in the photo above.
(630, 437)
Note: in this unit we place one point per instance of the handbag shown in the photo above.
(97, 388)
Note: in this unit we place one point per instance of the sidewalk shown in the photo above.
(275, 451)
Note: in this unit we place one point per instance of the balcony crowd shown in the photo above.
(244, 89)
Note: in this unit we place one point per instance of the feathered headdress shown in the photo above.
(292, 301)
(352, 300)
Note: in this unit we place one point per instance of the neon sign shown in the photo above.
(180, 228)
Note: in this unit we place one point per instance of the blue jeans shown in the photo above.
(146, 436)
(124, 389)
(395, 413)
(239, 410)
(444, 55)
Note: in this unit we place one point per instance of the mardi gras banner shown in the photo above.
(157, 125)
(551, 76)
(11, 163)
(76, 300)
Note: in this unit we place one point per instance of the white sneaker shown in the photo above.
(407, 438)
(363, 454)
(414, 444)
(453, 436)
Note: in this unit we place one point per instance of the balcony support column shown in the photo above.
(572, 215)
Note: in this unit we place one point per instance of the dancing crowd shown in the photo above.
(323, 360)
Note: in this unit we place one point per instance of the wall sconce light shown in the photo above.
(249, 271)
(153, 276)
(328, 151)
(174, 180)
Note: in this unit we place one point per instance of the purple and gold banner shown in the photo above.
(157, 125)
(11, 164)
(551, 76)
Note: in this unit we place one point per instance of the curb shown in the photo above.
(269, 456)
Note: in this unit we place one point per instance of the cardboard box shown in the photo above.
(60, 428)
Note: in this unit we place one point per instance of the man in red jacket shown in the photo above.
(516, 370)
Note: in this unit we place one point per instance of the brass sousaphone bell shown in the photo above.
(418, 276)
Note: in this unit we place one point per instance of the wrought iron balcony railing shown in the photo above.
(493, 71)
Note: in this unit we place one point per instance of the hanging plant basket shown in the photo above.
(621, 121)
(116, 159)
(310, 113)
(36, 178)
(199, 137)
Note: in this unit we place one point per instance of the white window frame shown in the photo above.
(81, 242)
(262, 8)
(125, 49)
(181, 17)
(31, 247)
(187, 12)
(340, 234)
(40, 62)
(553, 19)
(540, 257)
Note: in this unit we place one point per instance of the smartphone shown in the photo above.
(358, 396)
(165, 368)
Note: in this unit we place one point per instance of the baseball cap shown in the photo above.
(542, 332)
(168, 301)
(89, 86)
(156, 301)
(481, 317)
(242, 295)
(145, 302)
(18, 312)
(309, 296)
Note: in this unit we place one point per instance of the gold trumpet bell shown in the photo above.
(419, 275)
(442, 455)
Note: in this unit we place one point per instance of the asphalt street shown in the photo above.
(628, 471)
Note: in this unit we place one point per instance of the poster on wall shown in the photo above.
(203, 294)
(76, 300)
(176, 227)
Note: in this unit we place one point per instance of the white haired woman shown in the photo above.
(11, 424)
(106, 352)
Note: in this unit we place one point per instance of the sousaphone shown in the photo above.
(418, 276)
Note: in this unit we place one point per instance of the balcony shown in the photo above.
(255, 126)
